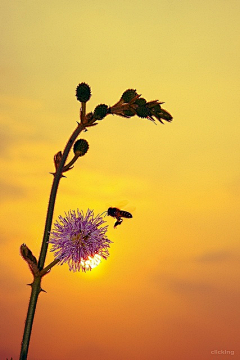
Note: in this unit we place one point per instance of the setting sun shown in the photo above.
(91, 262)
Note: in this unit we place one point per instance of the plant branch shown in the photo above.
(53, 194)
(36, 289)
(48, 268)
(36, 285)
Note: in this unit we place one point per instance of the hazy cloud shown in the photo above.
(22, 122)
(216, 256)
(10, 191)
(186, 285)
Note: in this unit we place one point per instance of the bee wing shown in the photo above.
(131, 209)
(121, 204)
(118, 204)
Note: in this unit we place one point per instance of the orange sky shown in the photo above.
(170, 288)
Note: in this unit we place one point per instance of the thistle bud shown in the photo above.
(83, 92)
(157, 108)
(100, 112)
(128, 95)
(80, 147)
(165, 115)
(29, 258)
(142, 111)
(140, 102)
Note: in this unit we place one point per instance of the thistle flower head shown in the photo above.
(80, 240)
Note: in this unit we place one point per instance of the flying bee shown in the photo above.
(118, 214)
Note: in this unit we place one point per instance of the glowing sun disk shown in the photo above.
(91, 262)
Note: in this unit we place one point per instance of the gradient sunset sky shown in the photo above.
(170, 288)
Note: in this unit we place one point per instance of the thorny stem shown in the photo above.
(36, 285)
(36, 289)
(53, 194)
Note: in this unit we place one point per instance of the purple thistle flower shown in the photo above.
(80, 240)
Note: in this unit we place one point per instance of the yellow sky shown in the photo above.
(170, 288)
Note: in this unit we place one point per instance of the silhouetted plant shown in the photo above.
(79, 240)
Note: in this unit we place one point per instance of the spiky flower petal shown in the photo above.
(78, 238)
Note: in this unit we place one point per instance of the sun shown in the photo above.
(91, 262)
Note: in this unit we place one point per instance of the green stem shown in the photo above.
(36, 289)
(47, 268)
(83, 111)
(36, 285)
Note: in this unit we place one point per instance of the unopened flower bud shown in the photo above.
(142, 111)
(165, 115)
(157, 108)
(80, 147)
(140, 102)
(83, 92)
(29, 258)
(128, 95)
(100, 112)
